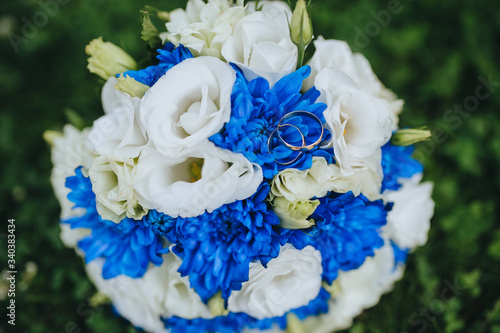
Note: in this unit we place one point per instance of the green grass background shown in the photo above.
(431, 54)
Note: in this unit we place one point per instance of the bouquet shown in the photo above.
(232, 186)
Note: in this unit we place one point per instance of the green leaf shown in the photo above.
(149, 32)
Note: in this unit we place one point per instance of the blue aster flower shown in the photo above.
(216, 248)
(128, 246)
(256, 111)
(236, 322)
(397, 162)
(346, 232)
(168, 57)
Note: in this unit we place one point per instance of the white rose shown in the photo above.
(187, 105)
(336, 54)
(260, 44)
(359, 123)
(177, 187)
(358, 289)
(409, 220)
(119, 134)
(290, 281)
(321, 178)
(112, 183)
(69, 151)
(202, 27)
(161, 292)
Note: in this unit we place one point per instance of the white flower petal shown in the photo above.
(165, 183)
(321, 178)
(290, 281)
(144, 301)
(360, 123)
(190, 103)
(409, 220)
(337, 55)
(260, 44)
(357, 290)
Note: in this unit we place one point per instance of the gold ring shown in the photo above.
(304, 147)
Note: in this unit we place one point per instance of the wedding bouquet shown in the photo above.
(228, 187)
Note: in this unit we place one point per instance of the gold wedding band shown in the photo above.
(304, 147)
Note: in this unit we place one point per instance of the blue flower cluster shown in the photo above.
(256, 112)
(346, 232)
(216, 248)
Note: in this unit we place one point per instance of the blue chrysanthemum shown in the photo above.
(256, 111)
(397, 162)
(346, 232)
(216, 248)
(128, 246)
(236, 322)
(169, 56)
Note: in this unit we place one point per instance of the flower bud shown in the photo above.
(409, 136)
(50, 136)
(293, 324)
(131, 86)
(300, 25)
(216, 305)
(107, 59)
(294, 214)
(99, 299)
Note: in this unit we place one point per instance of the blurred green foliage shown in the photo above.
(433, 54)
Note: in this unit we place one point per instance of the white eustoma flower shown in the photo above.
(112, 182)
(202, 27)
(260, 43)
(187, 105)
(360, 123)
(336, 54)
(204, 179)
(161, 292)
(356, 290)
(409, 220)
(290, 281)
(119, 134)
(69, 151)
(321, 178)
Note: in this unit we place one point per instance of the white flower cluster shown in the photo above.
(154, 153)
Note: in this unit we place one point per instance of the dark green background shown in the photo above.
(431, 54)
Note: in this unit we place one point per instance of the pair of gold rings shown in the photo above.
(300, 149)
